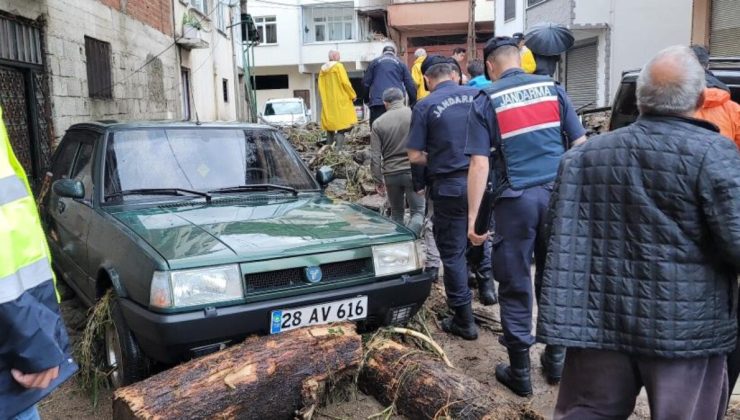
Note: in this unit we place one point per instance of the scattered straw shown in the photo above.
(89, 349)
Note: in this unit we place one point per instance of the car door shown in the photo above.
(70, 218)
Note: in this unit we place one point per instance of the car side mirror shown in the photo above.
(69, 188)
(309, 113)
(324, 175)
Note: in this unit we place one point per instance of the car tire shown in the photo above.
(123, 357)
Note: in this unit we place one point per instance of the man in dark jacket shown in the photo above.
(390, 163)
(643, 252)
(383, 73)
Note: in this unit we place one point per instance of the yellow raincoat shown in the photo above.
(418, 77)
(528, 63)
(337, 97)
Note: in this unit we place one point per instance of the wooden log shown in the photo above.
(275, 377)
(421, 386)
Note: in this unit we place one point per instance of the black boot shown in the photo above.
(553, 361)
(462, 324)
(516, 377)
(486, 291)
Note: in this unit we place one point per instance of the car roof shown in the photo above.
(116, 125)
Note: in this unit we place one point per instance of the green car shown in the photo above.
(208, 233)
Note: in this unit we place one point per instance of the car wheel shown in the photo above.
(124, 359)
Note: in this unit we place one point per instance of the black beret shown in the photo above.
(495, 43)
(433, 60)
(389, 48)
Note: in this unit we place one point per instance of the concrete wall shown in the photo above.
(557, 11)
(504, 28)
(150, 93)
(642, 28)
(590, 12)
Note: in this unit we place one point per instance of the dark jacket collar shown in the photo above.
(511, 72)
(678, 118)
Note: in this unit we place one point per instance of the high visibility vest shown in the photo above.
(24, 255)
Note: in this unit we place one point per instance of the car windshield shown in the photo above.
(200, 159)
(283, 108)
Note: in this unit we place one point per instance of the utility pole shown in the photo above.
(471, 31)
(247, 65)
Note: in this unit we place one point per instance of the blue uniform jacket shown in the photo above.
(32, 339)
(385, 72)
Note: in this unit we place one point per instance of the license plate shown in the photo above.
(340, 310)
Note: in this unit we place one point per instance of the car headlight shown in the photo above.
(202, 286)
(395, 258)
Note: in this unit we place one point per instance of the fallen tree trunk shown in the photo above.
(420, 386)
(264, 377)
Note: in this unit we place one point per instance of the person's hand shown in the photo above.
(475, 239)
(38, 380)
(380, 189)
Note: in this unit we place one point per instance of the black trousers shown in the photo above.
(375, 112)
(733, 359)
(600, 384)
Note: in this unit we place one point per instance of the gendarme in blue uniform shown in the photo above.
(438, 128)
(529, 122)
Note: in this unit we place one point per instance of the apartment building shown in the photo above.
(615, 36)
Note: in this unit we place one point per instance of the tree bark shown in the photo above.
(263, 377)
(420, 386)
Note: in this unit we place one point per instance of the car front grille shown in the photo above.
(294, 277)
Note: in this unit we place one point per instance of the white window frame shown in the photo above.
(533, 3)
(343, 17)
(261, 23)
(200, 5)
(221, 15)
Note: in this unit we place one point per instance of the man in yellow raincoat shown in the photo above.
(34, 348)
(421, 91)
(337, 100)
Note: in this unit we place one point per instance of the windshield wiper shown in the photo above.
(256, 187)
(159, 191)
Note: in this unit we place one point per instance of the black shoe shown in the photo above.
(553, 361)
(434, 272)
(486, 291)
(472, 279)
(516, 377)
(462, 324)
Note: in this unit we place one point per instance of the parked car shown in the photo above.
(209, 233)
(624, 108)
(285, 112)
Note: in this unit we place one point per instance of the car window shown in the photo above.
(283, 108)
(82, 170)
(201, 159)
(627, 101)
(63, 160)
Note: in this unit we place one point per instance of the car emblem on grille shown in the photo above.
(313, 274)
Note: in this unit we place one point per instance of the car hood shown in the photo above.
(248, 228)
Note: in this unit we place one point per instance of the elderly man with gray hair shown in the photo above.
(390, 164)
(640, 282)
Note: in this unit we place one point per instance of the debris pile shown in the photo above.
(351, 165)
(597, 122)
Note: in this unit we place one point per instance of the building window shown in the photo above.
(200, 5)
(279, 81)
(97, 55)
(267, 28)
(225, 85)
(222, 15)
(509, 10)
(531, 3)
(329, 24)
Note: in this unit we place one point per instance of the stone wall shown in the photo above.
(144, 65)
